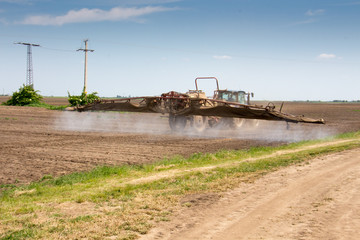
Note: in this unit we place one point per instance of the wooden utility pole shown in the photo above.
(85, 68)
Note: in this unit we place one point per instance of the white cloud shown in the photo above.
(224, 57)
(93, 15)
(326, 56)
(315, 12)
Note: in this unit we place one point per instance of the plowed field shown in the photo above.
(36, 142)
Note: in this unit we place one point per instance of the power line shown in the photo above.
(58, 49)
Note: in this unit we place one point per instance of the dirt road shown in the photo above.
(318, 200)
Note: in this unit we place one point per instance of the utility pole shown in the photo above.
(85, 68)
(29, 69)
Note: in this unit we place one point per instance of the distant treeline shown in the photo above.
(336, 101)
(118, 96)
(346, 101)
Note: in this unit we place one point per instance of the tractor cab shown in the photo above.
(232, 96)
(240, 97)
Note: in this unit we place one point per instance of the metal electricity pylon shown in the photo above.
(85, 68)
(29, 69)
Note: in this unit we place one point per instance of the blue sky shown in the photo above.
(278, 49)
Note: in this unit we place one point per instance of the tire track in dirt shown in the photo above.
(319, 200)
(177, 172)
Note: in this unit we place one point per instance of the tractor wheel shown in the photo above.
(254, 123)
(177, 123)
(232, 123)
(198, 123)
(214, 121)
(237, 123)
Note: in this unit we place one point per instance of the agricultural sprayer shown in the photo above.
(195, 109)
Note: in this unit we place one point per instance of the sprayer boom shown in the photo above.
(200, 111)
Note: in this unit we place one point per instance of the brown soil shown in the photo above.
(36, 142)
(317, 200)
(31, 146)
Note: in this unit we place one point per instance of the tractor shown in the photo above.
(224, 97)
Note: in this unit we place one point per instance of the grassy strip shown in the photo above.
(105, 203)
(47, 106)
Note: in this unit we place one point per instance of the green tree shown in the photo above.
(83, 99)
(25, 96)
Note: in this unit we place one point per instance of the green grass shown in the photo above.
(107, 202)
(26, 233)
(349, 135)
(47, 106)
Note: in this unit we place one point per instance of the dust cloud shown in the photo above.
(147, 123)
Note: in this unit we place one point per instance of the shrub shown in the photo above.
(83, 99)
(25, 96)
